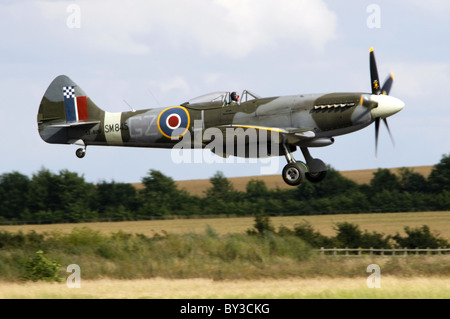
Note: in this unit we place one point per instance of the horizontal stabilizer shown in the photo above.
(72, 124)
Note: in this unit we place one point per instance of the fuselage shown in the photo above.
(326, 115)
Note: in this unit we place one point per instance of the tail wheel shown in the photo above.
(80, 153)
(293, 174)
(316, 177)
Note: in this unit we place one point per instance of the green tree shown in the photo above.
(412, 182)
(306, 232)
(382, 180)
(221, 197)
(221, 188)
(439, 178)
(348, 234)
(256, 189)
(76, 197)
(66, 196)
(335, 184)
(13, 195)
(420, 237)
(161, 196)
(262, 225)
(44, 192)
(116, 199)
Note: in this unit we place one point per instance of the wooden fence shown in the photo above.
(399, 252)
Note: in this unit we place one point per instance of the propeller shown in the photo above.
(377, 90)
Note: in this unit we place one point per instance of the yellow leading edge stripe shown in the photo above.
(260, 128)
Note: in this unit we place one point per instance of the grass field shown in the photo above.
(294, 288)
(323, 277)
(386, 223)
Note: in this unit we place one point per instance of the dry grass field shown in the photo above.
(317, 287)
(386, 223)
(294, 288)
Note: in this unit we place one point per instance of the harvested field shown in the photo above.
(387, 223)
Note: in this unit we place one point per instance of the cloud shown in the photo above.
(436, 8)
(421, 79)
(232, 28)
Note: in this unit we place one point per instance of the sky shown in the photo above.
(150, 54)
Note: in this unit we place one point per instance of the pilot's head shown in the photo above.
(234, 97)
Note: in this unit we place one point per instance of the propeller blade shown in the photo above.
(374, 79)
(377, 130)
(387, 126)
(387, 84)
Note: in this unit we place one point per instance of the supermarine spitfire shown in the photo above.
(222, 122)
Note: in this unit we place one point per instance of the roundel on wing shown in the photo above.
(174, 122)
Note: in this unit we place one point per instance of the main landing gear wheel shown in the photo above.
(316, 177)
(293, 174)
(80, 153)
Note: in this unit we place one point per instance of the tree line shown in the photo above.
(47, 197)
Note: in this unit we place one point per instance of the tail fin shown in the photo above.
(65, 105)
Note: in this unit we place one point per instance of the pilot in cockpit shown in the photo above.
(234, 97)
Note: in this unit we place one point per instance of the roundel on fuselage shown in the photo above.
(173, 122)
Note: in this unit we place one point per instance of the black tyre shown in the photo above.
(316, 177)
(80, 153)
(293, 174)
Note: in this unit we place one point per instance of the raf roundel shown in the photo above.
(174, 122)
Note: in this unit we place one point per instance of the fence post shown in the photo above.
(334, 252)
(371, 251)
(359, 251)
(406, 252)
(322, 252)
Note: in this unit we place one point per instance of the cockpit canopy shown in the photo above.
(214, 97)
(219, 99)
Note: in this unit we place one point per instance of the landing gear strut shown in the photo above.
(295, 172)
